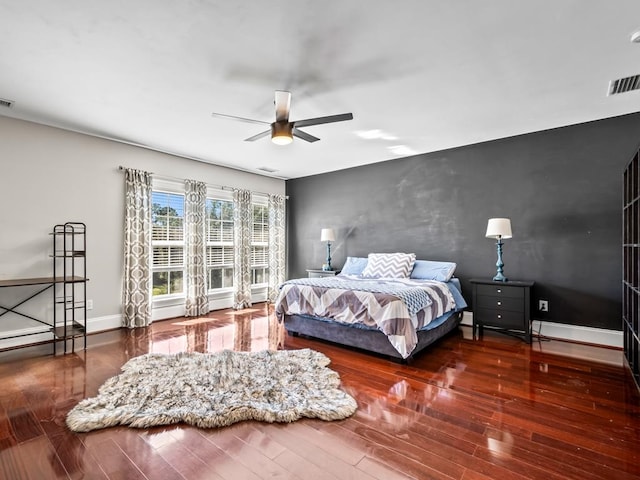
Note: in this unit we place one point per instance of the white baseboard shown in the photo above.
(559, 331)
(100, 324)
(41, 333)
(174, 311)
(161, 313)
(579, 333)
(572, 333)
(467, 319)
(31, 335)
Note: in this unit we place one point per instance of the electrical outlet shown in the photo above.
(543, 305)
(89, 304)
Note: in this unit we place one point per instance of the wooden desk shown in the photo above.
(46, 283)
(19, 282)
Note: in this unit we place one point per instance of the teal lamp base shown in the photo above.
(327, 266)
(499, 264)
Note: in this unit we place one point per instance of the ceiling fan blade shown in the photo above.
(242, 119)
(258, 136)
(317, 121)
(283, 105)
(304, 135)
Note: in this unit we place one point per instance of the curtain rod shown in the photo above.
(221, 187)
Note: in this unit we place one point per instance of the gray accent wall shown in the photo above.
(561, 189)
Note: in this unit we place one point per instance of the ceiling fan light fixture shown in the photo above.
(281, 133)
(282, 130)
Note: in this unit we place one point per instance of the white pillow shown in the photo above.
(389, 265)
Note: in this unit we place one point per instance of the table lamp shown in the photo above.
(327, 235)
(499, 228)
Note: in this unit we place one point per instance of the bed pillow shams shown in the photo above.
(430, 270)
(354, 266)
(389, 265)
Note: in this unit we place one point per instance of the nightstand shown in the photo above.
(313, 273)
(504, 306)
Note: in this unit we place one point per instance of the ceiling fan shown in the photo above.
(282, 130)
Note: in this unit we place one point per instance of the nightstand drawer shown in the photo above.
(500, 319)
(501, 303)
(500, 291)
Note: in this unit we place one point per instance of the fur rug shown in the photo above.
(215, 390)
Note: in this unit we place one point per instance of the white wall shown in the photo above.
(50, 176)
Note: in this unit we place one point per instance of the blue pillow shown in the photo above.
(430, 270)
(354, 266)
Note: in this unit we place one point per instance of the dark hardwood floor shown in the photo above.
(494, 408)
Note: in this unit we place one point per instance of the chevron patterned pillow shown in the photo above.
(389, 265)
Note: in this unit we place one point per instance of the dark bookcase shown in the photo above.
(631, 265)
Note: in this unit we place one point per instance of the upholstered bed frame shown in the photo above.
(367, 339)
(382, 266)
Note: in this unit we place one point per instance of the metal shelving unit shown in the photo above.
(70, 291)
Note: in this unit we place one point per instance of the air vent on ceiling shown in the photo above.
(6, 103)
(623, 85)
(267, 169)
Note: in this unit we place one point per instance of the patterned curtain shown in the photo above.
(242, 225)
(136, 289)
(277, 251)
(197, 302)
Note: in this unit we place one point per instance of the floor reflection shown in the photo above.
(406, 401)
(500, 443)
(242, 333)
(251, 329)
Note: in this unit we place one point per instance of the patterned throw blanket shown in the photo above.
(415, 298)
(397, 307)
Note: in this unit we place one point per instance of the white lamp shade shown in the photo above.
(327, 235)
(499, 228)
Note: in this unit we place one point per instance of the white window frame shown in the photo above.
(170, 188)
(260, 200)
(226, 196)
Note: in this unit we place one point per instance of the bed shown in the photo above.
(388, 304)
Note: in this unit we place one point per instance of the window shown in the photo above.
(167, 241)
(260, 245)
(219, 231)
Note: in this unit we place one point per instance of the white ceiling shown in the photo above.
(418, 75)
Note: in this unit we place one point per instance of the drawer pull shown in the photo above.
(499, 316)
(499, 290)
(499, 303)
